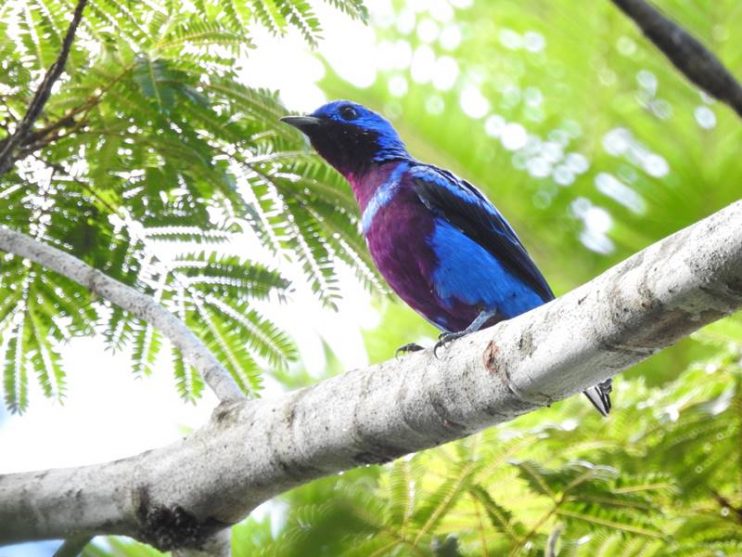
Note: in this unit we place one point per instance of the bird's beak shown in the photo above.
(302, 123)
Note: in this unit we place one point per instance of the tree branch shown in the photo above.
(53, 131)
(42, 93)
(686, 52)
(126, 297)
(177, 496)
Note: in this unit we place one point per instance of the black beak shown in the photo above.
(302, 123)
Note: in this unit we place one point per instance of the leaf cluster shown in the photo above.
(154, 162)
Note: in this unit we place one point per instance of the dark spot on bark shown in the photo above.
(496, 412)
(734, 283)
(579, 302)
(370, 458)
(290, 416)
(379, 454)
(226, 414)
(172, 527)
(296, 470)
(291, 411)
(440, 410)
(141, 499)
(608, 346)
(724, 294)
(490, 356)
(648, 300)
(525, 344)
(665, 329)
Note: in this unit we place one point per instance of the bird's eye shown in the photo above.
(348, 113)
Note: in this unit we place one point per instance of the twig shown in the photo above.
(686, 52)
(42, 137)
(42, 93)
(126, 297)
(72, 547)
(725, 503)
(34, 143)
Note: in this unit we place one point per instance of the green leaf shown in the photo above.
(14, 368)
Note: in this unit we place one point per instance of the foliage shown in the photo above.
(580, 131)
(590, 142)
(154, 163)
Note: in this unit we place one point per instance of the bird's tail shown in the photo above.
(600, 396)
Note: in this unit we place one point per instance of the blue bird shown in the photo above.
(442, 246)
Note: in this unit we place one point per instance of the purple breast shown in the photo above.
(398, 240)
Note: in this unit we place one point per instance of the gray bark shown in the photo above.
(252, 450)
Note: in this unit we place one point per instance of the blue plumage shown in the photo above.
(488, 284)
(458, 203)
(442, 246)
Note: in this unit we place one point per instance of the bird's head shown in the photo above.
(350, 136)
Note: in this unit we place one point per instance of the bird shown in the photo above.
(440, 244)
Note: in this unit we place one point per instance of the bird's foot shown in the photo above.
(411, 347)
(445, 338)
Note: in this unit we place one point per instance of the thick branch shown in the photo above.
(686, 52)
(126, 297)
(253, 450)
(42, 93)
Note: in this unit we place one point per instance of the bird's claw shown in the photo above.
(410, 347)
(445, 338)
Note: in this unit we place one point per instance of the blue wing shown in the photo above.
(465, 207)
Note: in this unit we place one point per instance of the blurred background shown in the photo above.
(588, 140)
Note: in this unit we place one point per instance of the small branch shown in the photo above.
(42, 93)
(72, 547)
(183, 494)
(126, 297)
(686, 52)
(44, 136)
(725, 503)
